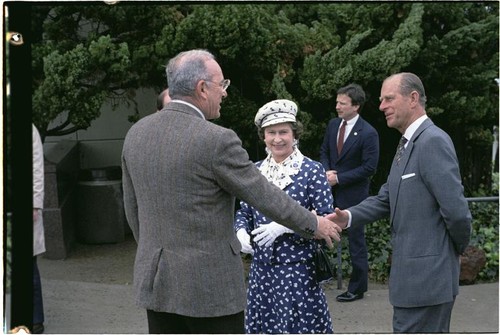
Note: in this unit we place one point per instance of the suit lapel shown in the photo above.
(353, 137)
(409, 148)
(397, 171)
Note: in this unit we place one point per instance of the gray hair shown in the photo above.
(185, 70)
(411, 82)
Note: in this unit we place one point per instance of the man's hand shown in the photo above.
(331, 176)
(327, 230)
(340, 217)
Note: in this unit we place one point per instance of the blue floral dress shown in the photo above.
(283, 294)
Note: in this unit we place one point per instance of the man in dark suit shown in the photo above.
(429, 215)
(181, 174)
(350, 157)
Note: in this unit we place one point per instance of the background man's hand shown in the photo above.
(331, 176)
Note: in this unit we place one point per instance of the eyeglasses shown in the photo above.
(224, 84)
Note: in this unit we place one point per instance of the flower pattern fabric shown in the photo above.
(283, 294)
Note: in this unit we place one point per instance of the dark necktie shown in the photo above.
(400, 149)
(340, 141)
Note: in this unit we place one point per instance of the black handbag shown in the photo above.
(323, 264)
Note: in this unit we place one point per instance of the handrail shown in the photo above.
(482, 199)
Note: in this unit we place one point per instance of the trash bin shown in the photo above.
(101, 215)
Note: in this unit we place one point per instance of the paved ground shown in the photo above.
(91, 293)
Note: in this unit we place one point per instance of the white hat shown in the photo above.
(276, 111)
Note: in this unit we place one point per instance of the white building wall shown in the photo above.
(101, 144)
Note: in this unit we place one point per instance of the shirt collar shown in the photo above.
(190, 105)
(352, 121)
(414, 126)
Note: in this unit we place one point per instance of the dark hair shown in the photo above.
(356, 93)
(160, 98)
(297, 128)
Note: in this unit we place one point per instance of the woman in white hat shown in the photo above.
(284, 295)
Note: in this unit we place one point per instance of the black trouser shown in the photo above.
(168, 323)
(358, 282)
(38, 316)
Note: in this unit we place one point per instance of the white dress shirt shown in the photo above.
(412, 128)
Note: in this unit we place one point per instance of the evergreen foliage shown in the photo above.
(85, 54)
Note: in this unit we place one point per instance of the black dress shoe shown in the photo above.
(348, 296)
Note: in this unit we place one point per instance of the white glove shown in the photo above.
(267, 233)
(244, 239)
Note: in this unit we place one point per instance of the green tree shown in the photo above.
(86, 54)
(460, 63)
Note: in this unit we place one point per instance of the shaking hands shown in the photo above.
(339, 217)
(329, 229)
(330, 226)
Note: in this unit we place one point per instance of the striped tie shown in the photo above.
(400, 149)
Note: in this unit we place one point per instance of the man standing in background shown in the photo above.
(162, 100)
(349, 154)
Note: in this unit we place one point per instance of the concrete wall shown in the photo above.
(101, 144)
(59, 213)
(65, 156)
